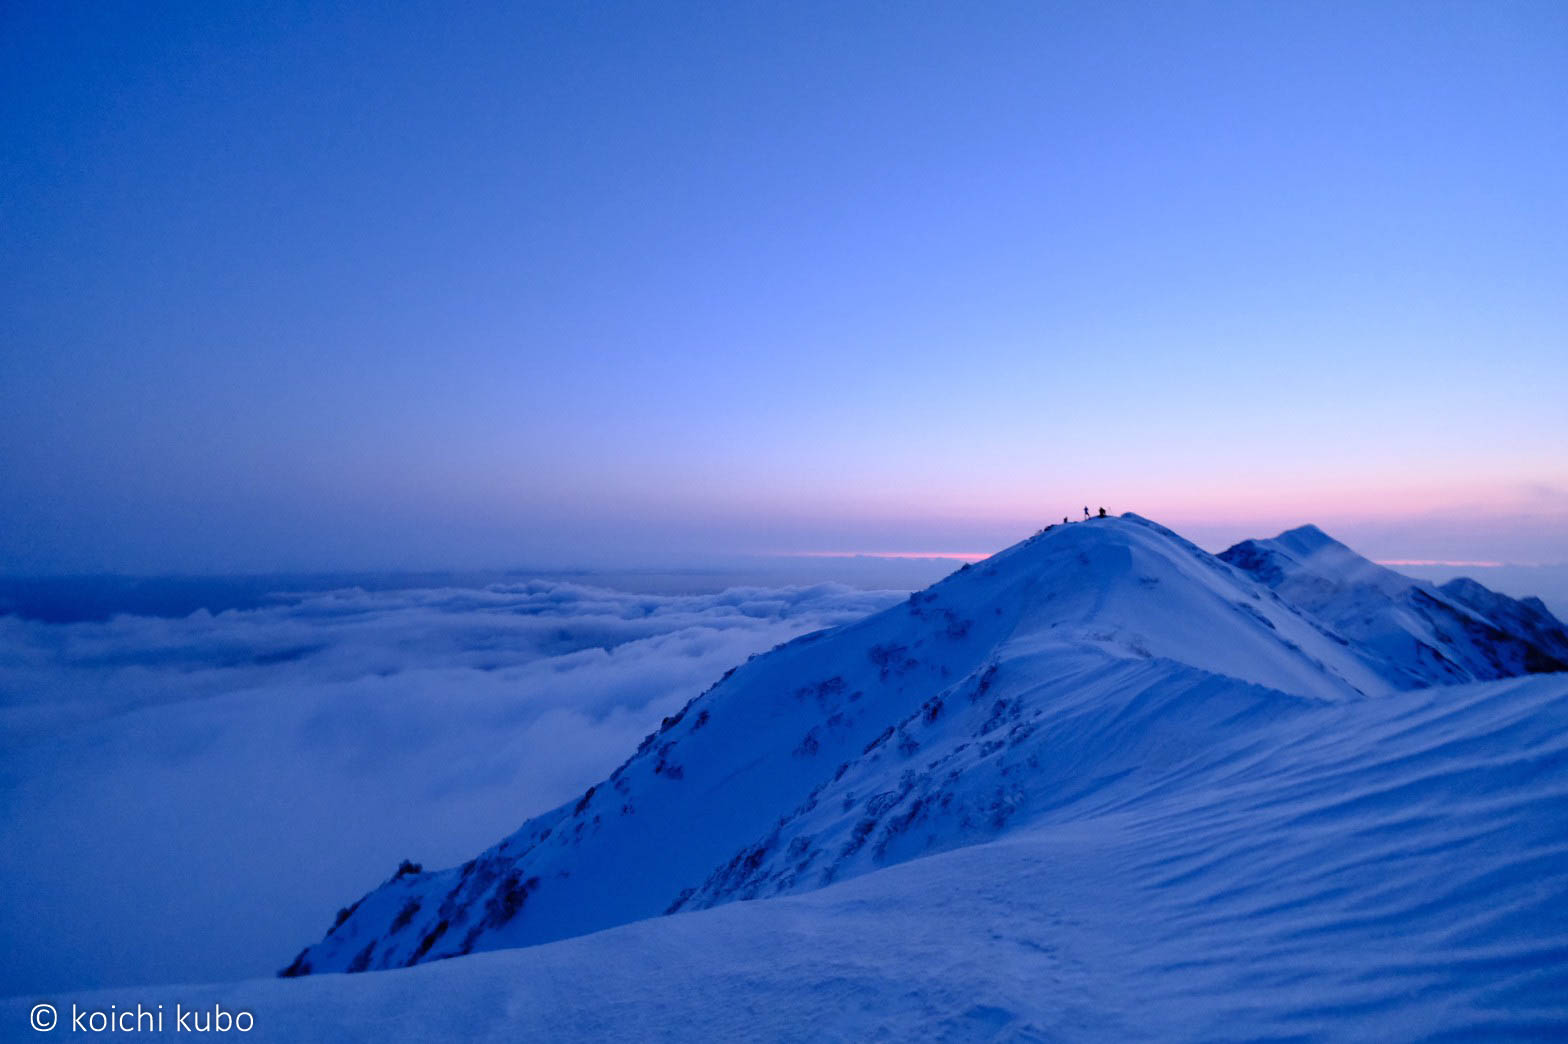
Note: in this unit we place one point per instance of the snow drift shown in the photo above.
(1383, 869)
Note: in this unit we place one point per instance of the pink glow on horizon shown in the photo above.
(1438, 562)
(956, 556)
(976, 556)
(1263, 501)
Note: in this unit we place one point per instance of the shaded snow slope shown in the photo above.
(1286, 868)
(1527, 619)
(1421, 634)
(935, 724)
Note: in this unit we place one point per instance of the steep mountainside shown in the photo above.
(1069, 676)
(1380, 869)
(1424, 635)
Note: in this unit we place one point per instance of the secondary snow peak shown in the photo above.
(1416, 633)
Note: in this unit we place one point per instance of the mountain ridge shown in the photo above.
(1090, 664)
(1423, 634)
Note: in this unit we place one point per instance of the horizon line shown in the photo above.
(1457, 563)
(956, 556)
(976, 556)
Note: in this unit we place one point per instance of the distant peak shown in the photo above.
(1305, 540)
(1537, 605)
(1464, 585)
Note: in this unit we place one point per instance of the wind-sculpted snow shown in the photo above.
(1079, 671)
(244, 771)
(1275, 869)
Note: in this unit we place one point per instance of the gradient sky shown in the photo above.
(334, 286)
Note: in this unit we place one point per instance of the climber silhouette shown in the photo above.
(1086, 512)
(1102, 512)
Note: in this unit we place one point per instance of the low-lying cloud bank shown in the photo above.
(187, 799)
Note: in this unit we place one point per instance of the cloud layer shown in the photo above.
(191, 799)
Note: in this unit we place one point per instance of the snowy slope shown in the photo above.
(1526, 619)
(1425, 635)
(1380, 869)
(1075, 670)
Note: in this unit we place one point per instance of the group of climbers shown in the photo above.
(1067, 521)
(1086, 515)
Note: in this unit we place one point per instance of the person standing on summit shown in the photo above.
(1086, 511)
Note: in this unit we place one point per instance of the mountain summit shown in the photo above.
(1084, 672)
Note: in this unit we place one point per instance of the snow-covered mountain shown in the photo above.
(1091, 670)
(1389, 869)
(1525, 620)
(1421, 634)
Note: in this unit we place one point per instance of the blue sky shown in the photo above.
(289, 286)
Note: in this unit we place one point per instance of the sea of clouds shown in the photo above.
(192, 799)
